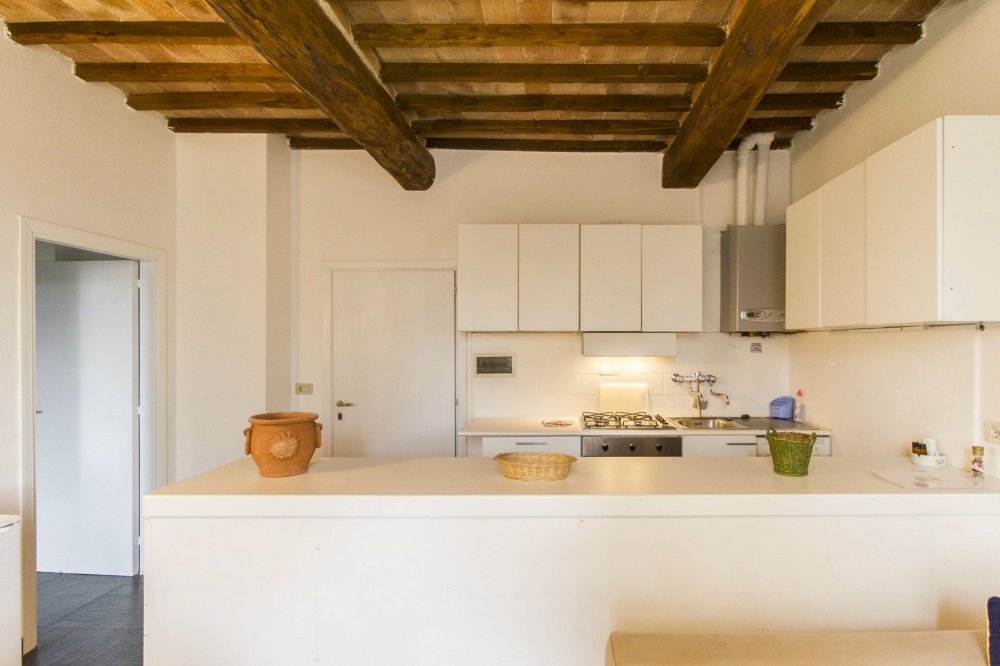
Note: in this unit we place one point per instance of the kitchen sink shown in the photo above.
(706, 423)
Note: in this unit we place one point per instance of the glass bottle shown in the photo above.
(978, 470)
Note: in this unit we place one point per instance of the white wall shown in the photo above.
(71, 153)
(233, 278)
(350, 210)
(881, 390)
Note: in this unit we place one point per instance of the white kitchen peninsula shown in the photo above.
(443, 561)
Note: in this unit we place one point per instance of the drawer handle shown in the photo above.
(741, 443)
(531, 443)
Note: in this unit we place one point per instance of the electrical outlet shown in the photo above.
(992, 431)
(303, 389)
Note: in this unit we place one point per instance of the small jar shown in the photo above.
(978, 469)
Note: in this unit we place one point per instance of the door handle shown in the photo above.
(341, 403)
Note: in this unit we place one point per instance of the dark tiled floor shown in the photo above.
(88, 621)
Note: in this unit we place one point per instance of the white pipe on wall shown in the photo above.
(764, 140)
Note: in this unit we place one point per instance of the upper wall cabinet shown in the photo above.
(518, 277)
(487, 277)
(934, 224)
(825, 262)
(611, 277)
(549, 277)
(640, 278)
(671, 278)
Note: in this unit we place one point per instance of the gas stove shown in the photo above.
(623, 421)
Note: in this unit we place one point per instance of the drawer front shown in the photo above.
(495, 445)
(720, 446)
(820, 448)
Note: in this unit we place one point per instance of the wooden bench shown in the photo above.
(909, 648)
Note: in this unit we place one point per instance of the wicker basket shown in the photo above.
(791, 451)
(535, 466)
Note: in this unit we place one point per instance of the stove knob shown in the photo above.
(659, 447)
(631, 447)
(604, 447)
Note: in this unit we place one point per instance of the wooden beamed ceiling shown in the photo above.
(687, 78)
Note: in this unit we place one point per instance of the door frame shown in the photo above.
(330, 268)
(152, 261)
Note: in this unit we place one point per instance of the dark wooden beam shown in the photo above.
(597, 103)
(527, 103)
(461, 126)
(218, 100)
(175, 72)
(800, 102)
(251, 125)
(424, 35)
(549, 145)
(123, 32)
(398, 72)
(298, 38)
(763, 37)
(829, 71)
(311, 143)
(787, 124)
(863, 32)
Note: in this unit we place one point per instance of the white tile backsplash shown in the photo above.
(555, 380)
(880, 390)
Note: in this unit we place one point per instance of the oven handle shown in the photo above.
(530, 443)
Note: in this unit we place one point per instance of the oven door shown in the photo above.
(625, 446)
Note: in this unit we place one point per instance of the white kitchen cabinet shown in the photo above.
(842, 250)
(671, 278)
(933, 226)
(611, 277)
(493, 446)
(549, 277)
(802, 255)
(825, 260)
(719, 446)
(487, 277)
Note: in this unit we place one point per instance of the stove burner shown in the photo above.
(622, 420)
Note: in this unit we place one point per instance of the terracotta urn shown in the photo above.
(282, 443)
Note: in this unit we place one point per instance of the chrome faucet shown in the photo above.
(697, 400)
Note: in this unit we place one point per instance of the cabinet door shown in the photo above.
(671, 278)
(842, 250)
(802, 268)
(493, 446)
(487, 277)
(903, 196)
(549, 277)
(970, 287)
(719, 446)
(611, 277)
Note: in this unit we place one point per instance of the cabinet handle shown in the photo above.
(531, 443)
(741, 443)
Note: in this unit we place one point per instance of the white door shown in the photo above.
(86, 466)
(394, 363)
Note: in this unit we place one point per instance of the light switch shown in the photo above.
(303, 389)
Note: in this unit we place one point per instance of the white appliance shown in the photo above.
(10, 590)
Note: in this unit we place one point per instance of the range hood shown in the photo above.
(753, 279)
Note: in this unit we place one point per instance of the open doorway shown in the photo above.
(88, 440)
(93, 342)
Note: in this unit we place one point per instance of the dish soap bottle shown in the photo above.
(799, 411)
(978, 469)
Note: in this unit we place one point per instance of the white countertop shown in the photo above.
(440, 487)
(532, 427)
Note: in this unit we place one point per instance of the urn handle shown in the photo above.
(319, 435)
(246, 433)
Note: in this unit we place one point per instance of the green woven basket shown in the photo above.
(790, 451)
